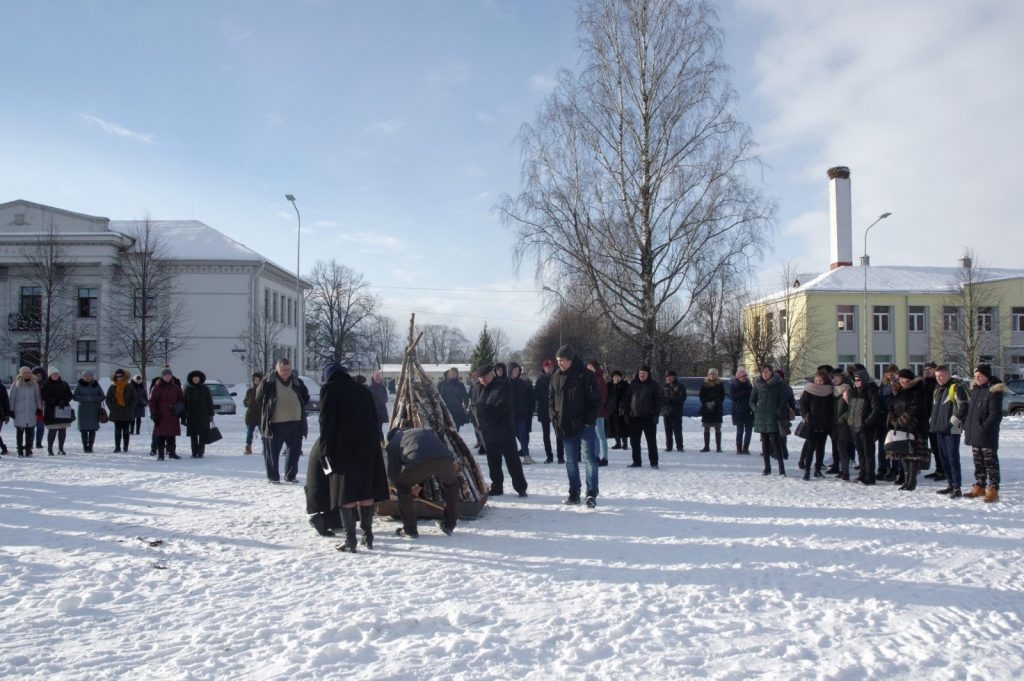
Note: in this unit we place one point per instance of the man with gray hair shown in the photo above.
(282, 399)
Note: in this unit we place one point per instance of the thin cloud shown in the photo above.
(116, 129)
(542, 82)
(370, 241)
(388, 127)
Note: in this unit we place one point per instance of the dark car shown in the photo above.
(1016, 385)
(692, 405)
(1013, 402)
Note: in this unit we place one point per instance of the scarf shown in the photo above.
(119, 391)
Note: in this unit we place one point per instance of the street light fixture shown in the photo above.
(298, 287)
(864, 262)
(562, 298)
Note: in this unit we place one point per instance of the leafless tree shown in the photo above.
(147, 317)
(968, 326)
(50, 320)
(501, 343)
(260, 341)
(384, 337)
(635, 174)
(442, 344)
(340, 313)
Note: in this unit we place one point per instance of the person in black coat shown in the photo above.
(618, 428)
(456, 397)
(817, 407)
(522, 409)
(740, 389)
(909, 412)
(5, 413)
(494, 414)
(414, 456)
(712, 408)
(644, 400)
(57, 398)
(350, 440)
(863, 417)
(141, 398)
(574, 400)
(673, 396)
(981, 431)
(380, 397)
(540, 394)
(198, 412)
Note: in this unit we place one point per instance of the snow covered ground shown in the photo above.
(117, 566)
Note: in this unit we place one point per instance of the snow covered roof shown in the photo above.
(427, 368)
(192, 240)
(888, 279)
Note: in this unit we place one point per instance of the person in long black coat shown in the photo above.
(618, 428)
(817, 407)
(57, 396)
(909, 412)
(198, 412)
(350, 438)
(712, 409)
(740, 389)
(493, 408)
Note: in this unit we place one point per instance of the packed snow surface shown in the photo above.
(117, 566)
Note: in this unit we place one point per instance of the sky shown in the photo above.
(394, 125)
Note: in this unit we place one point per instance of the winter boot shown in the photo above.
(718, 442)
(912, 467)
(782, 468)
(977, 490)
(366, 523)
(348, 519)
(767, 464)
(901, 479)
(991, 494)
(319, 523)
(707, 441)
(248, 449)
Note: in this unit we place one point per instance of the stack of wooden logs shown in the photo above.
(418, 404)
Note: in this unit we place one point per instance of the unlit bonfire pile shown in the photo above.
(419, 405)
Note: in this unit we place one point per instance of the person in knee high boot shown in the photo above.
(909, 412)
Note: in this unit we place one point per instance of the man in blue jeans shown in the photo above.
(573, 402)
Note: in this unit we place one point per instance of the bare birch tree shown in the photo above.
(384, 338)
(260, 340)
(968, 326)
(340, 313)
(442, 344)
(49, 268)
(147, 317)
(635, 174)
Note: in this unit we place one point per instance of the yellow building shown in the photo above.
(912, 315)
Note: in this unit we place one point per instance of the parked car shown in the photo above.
(692, 405)
(1016, 385)
(223, 399)
(1013, 403)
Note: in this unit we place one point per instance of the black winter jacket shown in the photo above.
(573, 399)
(984, 415)
(644, 399)
(413, 447)
(949, 401)
(494, 409)
(817, 407)
(672, 397)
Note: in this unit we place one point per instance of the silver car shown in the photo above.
(223, 399)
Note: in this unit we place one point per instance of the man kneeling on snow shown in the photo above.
(414, 456)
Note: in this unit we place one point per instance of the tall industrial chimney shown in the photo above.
(840, 216)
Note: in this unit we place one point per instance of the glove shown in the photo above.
(955, 422)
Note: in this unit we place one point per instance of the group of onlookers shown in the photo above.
(888, 432)
(40, 402)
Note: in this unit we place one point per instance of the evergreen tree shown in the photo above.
(483, 353)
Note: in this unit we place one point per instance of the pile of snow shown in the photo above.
(119, 566)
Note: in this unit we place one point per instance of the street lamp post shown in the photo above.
(864, 262)
(298, 287)
(561, 298)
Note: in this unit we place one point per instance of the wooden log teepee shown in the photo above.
(418, 404)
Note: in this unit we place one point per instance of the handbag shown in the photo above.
(899, 442)
(802, 430)
(103, 416)
(64, 414)
(213, 434)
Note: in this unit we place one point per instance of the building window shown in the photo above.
(769, 323)
(1017, 359)
(846, 361)
(951, 319)
(880, 318)
(266, 304)
(783, 328)
(87, 302)
(984, 319)
(1017, 318)
(881, 361)
(31, 300)
(845, 315)
(86, 351)
(916, 364)
(274, 315)
(142, 306)
(289, 312)
(915, 319)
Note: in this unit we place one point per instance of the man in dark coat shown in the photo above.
(931, 383)
(740, 389)
(414, 456)
(456, 397)
(644, 408)
(522, 409)
(863, 418)
(673, 395)
(494, 414)
(573, 402)
(282, 398)
(540, 392)
(981, 432)
(949, 411)
(351, 442)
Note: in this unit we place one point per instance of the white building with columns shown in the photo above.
(223, 285)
